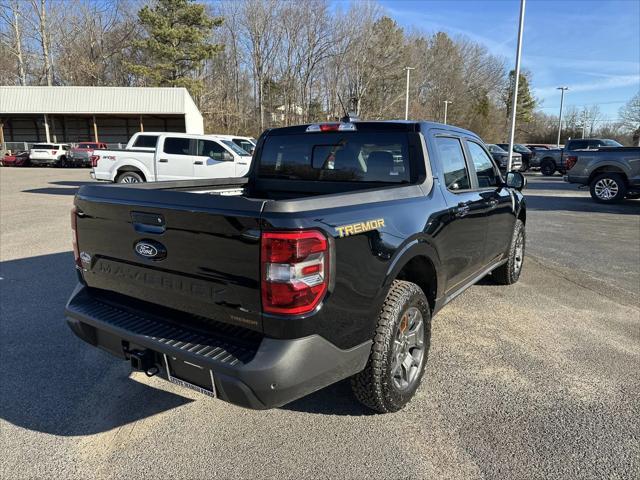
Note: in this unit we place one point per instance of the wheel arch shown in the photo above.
(418, 263)
(607, 168)
(127, 167)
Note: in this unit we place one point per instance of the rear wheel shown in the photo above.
(129, 177)
(608, 188)
(509, 273)
(63, 162)
(548, 167)
(399, 351)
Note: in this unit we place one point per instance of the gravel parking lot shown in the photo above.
(535, 380)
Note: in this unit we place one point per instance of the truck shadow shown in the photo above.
(335, 399)
(59, 191)
(51, 381)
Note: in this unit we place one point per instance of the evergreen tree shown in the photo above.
(526, 102)
(177, 42)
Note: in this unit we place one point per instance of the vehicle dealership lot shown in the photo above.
(537, 379)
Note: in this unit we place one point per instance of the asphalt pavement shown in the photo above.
(535, 380)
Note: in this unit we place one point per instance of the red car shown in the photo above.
(80, 153)
(19, 159)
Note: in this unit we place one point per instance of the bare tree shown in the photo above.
(10, 14)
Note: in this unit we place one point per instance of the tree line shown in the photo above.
(254, 64)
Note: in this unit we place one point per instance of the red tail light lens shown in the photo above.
(53, 152)
(570, 162)
(295, 271)
(94, 160)
(74, 232)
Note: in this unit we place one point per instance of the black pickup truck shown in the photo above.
(327, 261)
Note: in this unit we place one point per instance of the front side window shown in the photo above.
(487, 176)
(211, 149)
(235, 148)
(456, 175)
(176, 146)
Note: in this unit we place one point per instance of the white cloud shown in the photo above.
(602, 83)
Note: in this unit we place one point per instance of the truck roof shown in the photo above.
(370, 125)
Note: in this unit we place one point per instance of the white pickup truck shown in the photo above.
(160, 156)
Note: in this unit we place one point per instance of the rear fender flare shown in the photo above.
(130, 162)
(416, 247)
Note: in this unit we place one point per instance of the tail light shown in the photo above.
(53, 152)
(74, 233)
(295, 271)
(331, 127)
(94, 160)
(570, 162)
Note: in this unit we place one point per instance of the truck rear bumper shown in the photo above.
(259, 374)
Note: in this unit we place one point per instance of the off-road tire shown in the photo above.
(547, 168)
(509, 273)
(129, 177)
(610, 179)
(374, 386)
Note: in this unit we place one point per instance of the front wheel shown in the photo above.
(608, 188)
(399, 351)
(509, 273)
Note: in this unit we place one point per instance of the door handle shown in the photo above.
(461, 210)
(242, 163)
(163, 160)
(197, 162)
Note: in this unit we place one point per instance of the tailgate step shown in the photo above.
(156, 332)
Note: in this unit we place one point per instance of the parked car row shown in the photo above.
(79, 154)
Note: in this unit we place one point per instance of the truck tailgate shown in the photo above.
(195, 253)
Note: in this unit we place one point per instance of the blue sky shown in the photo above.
(593, 47)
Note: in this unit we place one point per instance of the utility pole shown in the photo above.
(446, 104)
(562, 89)
(515, 85)
(406, 103)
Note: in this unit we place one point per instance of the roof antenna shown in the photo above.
(348, 117)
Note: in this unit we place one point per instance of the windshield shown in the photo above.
(337, 156)
(496, 149)
(236, 149)
(611, 143)
(521, 148)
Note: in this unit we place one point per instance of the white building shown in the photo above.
(105, 114)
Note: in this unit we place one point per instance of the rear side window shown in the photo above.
(42, 146)
(176, 146)
(146, 141)
(456, 174)
(487, 176)
(579, 145)
(337, 156)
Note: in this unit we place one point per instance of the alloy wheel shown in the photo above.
(408, 349)
(606, 189)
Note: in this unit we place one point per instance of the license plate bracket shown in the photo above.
(189, 375)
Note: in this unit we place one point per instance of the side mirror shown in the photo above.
(516, 180)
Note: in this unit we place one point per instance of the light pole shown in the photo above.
(562, 89)
(406, 103)
(515, 85)
(446, 104)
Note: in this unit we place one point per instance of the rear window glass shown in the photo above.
(86, 145)
(146, 141)
(42, 146)
(339, 156)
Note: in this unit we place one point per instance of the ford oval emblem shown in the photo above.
(150, 249)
